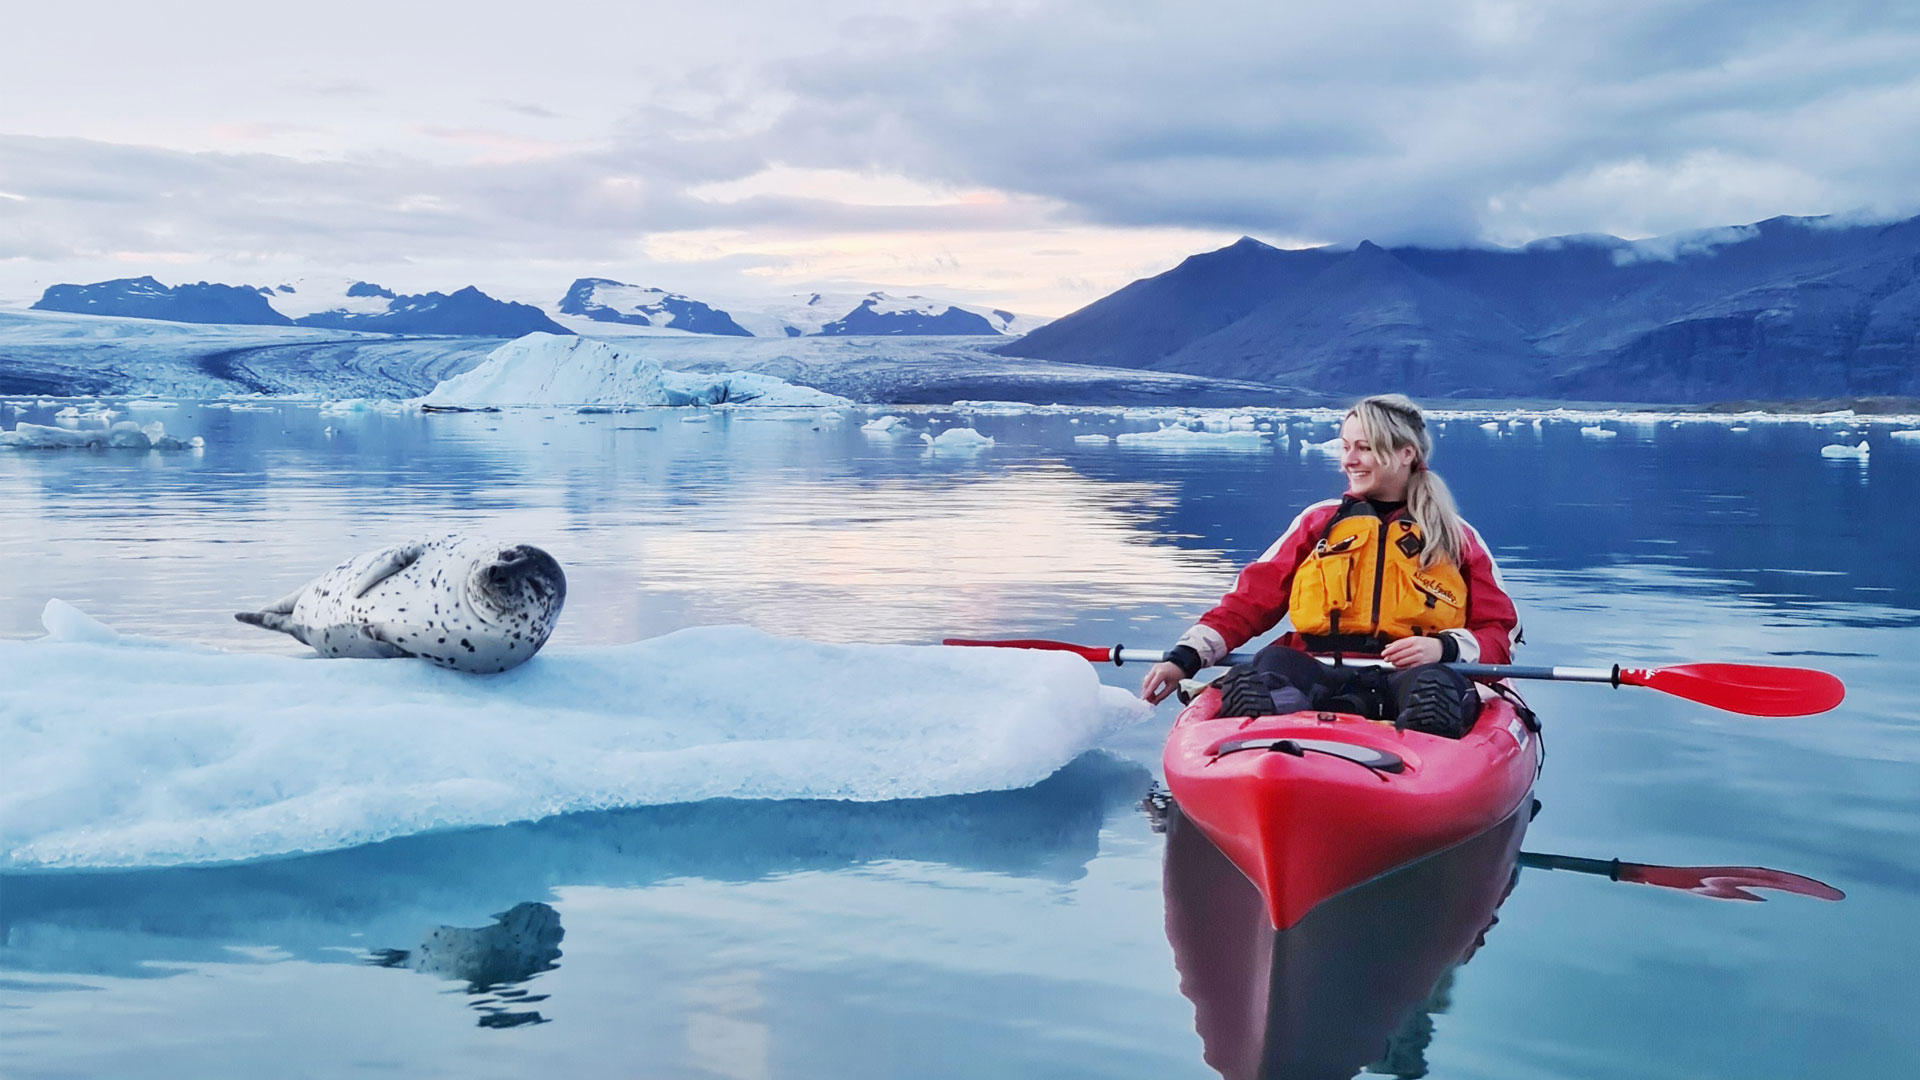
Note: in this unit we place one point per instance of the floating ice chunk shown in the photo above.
(347, 406)
(1491, 425)
(145, 404)
(1738, 428)
(1101, 439)
(1331, 447)
(120, 755)
(885, 425)
(1842, 450)
(64, 622)
(957, 439)
(696, 418)
(125, 435)
(1175, 437)
(1905, 436)
(1598, 432)
(71, 412)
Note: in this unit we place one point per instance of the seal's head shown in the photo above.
(521, 581)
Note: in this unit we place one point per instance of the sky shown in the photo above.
(1026, 154)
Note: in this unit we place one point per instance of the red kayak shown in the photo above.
(1310, 805)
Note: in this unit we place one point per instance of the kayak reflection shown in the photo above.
(492, 960)
(1354, 983)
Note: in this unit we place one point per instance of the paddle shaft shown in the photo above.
(1748, 689)
(1121, 655)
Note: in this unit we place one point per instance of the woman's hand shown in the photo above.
(1162, 679)
(1412, 652)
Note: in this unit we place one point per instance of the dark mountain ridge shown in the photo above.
(145, 298)
(1789, 307)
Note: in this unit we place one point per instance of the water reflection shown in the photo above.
(140, 924)
(1355, 985)
(1351, 986)
(492, 960)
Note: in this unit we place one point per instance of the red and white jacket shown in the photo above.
(1259, 599)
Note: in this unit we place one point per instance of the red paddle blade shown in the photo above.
(1096, 654)
(1728, 882)
(1744, 688)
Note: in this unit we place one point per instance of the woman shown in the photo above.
(1387, 570)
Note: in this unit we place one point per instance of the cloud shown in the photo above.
(809, 138)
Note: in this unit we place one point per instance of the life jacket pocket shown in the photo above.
(1422, 600)
(1325, 591)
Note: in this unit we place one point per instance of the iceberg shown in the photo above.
(127, 752)
(548, 369)
(957, 439)
(125, 435)
(1598, 432)
(1842, 450)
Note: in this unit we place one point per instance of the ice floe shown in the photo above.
(885, 425)
(960, 438)
(1598, 432)
(127, 752)
(1842, 450)
(1173, 436)
(125, 435)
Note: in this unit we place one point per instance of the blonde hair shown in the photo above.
(1392, 421)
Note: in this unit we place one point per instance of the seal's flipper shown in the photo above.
(385, 565)
(266, 620)
(276, 616)
(394, 636)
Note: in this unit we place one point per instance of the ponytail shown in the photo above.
(1392, 421)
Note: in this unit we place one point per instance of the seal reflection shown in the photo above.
(492, 960)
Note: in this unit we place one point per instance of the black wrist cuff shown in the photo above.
(1188, 658)
(1449, 648)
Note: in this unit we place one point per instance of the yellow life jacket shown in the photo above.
(1363, 586)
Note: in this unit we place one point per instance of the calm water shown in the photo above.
(1054, 931)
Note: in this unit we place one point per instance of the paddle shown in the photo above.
(1719, 882)
(1749, 689)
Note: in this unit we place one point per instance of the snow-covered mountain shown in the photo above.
(875, 313)
(365, 306)
(323, 303)
(604, 300)
(594, 306)
(145, 298)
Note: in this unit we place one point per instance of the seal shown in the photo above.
(459, 602)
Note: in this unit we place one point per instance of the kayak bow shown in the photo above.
(1310, 805)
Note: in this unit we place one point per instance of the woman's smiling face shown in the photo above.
(1373, 473)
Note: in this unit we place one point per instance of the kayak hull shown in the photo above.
(1307, 826)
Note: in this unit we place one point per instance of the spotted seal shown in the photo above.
(463, 603)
